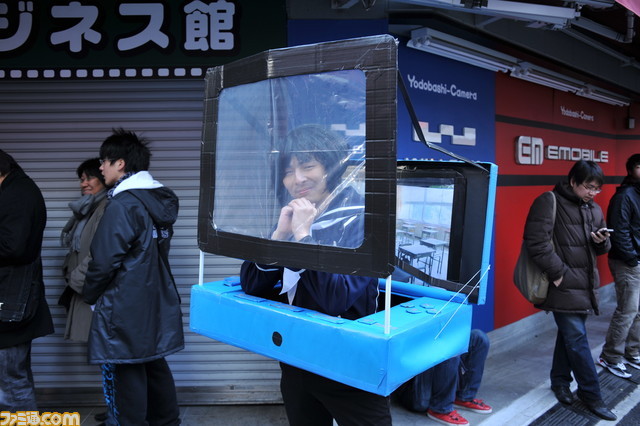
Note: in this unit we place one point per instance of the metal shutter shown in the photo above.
(50, 127)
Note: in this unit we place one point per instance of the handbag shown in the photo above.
(532, 282)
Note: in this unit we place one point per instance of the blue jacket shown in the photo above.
(348, 296)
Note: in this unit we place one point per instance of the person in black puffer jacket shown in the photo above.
(579, 235)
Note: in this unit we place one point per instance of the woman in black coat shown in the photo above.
(579, 235)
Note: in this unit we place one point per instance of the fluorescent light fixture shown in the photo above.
(601, 95)
(438, 43)
(626, 60)
(534, 12)
(559, 17)
(529, 72)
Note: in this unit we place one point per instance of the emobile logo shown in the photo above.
(529, 150)
(532, 151)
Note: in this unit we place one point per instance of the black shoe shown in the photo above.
(563, 394)
(100, 417)
(599, 409)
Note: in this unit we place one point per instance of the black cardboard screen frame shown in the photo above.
(377, 57)
(466, 243)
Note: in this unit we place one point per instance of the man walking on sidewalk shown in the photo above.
(622, 344)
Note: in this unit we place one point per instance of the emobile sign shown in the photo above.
(532, 151)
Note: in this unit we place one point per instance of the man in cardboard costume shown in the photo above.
(318, 209)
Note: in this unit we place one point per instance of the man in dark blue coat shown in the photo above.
(137, 320)
(24, 313)
(622, 344)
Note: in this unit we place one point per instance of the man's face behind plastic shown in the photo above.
(306, 180)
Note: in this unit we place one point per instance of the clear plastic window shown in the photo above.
(289, 159)
(423, 228)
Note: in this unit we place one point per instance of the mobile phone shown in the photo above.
(605, 230)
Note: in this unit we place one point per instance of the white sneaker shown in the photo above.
(633, 361)
(618, 369)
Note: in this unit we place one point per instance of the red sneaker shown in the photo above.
(475, 405)
(452, 418)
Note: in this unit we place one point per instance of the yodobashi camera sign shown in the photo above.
(532, 151)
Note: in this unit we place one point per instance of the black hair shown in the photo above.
(128, 146)
(314, 142)
(91, 168)
(7, 164)
(586, 171)
(632, 162)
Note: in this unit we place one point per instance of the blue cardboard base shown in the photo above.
(425, 330)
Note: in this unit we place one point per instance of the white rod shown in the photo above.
(387, 306)
(201, 269)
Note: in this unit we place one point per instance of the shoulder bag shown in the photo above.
(532, 282)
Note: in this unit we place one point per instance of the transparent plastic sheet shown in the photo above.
(277, 142)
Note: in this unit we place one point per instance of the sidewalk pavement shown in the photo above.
(516, 378)
(515, 383)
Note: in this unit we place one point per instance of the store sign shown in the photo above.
(532, 151)
(441, 88)
(133, 34)
(580, 115)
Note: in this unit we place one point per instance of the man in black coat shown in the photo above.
(137, 320)
(24, 313)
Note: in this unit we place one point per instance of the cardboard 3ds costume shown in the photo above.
(350, 88)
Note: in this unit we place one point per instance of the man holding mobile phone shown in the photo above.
(571, 264)
(622, 344)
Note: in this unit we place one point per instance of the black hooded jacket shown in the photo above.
(623, 216)
(137, 316)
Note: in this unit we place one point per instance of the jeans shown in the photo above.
(435, 389)
(17, 392)
(472, 366)
(623, 336)
(572, 354)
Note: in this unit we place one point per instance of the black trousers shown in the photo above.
(311, 400)
(140, 394)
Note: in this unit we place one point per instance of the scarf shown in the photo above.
(124, 176)
(82, 209)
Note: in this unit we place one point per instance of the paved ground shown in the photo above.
(516, 384)
(516, 380)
